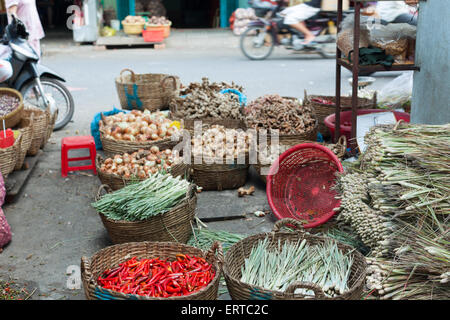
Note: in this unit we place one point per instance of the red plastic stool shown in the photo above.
(82, 142)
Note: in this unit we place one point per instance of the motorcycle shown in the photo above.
(39, 86)
(265, 33)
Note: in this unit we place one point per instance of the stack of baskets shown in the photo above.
(323, 110)
(35, 127)
(146, 91)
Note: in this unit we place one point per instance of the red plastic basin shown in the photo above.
(300, 184)
(346, 120)
(153, 35)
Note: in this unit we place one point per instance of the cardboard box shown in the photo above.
(331, 5)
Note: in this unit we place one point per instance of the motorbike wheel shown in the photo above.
(328, 51)
(62, 96)
(256, 43)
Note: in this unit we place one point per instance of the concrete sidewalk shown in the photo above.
(62, 42)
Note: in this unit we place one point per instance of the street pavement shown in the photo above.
(52, 222)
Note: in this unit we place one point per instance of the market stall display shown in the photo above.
(220, 158)
(151, 91)
(242, 17)
(203, 238)
(294, 122)
(266, 159)
(8, 155)
(40, 128)
(367, 61)
(160, 208)
(196, 277)
(299, 259)
(326, 105)
(129, 132)
(26, 129)
(300, 184)
(133, 25)
(11, 107)
(159, 23)
(405, 222)
(204, 101)
(120, 170)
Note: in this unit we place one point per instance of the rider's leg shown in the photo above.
(301, 26)
(295, 17)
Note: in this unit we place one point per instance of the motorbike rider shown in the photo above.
(295, 17)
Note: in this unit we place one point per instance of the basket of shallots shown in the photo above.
(120, 170)
(126, 133)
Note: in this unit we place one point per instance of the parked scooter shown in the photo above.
(40, 86)
(265, 33)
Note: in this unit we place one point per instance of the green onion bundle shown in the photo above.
(276, 268)
(139, 201)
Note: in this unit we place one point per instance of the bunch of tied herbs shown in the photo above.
(141, 200)
(277, 267)
(397, 198)
(203, 238)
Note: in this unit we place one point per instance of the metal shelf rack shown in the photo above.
(355, 68)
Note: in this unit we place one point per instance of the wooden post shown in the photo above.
(355, 71)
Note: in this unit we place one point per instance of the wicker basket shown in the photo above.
(8, 157)
(133, 28)
(92, 268)
(324, 110)
(293, 139)
(215, 176)
(150, 91)
(111, 147)
(40, 128)
(116, 182)
(174, 225)
(189, 124)
(51, 118)
(236, 255)
(13, 118)
(26, 129)
(339, 149)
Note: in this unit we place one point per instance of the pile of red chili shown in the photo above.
(159, 278)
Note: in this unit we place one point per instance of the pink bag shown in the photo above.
(5, 229)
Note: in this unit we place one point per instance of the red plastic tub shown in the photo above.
(8, 141)
(153, 34)
(346, 120)
(300, 184)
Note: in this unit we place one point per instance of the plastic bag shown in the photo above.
(2, 190)
(95, 125)
(397, 93)
(393, 38)
(5, 229)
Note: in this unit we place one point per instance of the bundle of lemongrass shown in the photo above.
(276, 267)
(398, 200)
